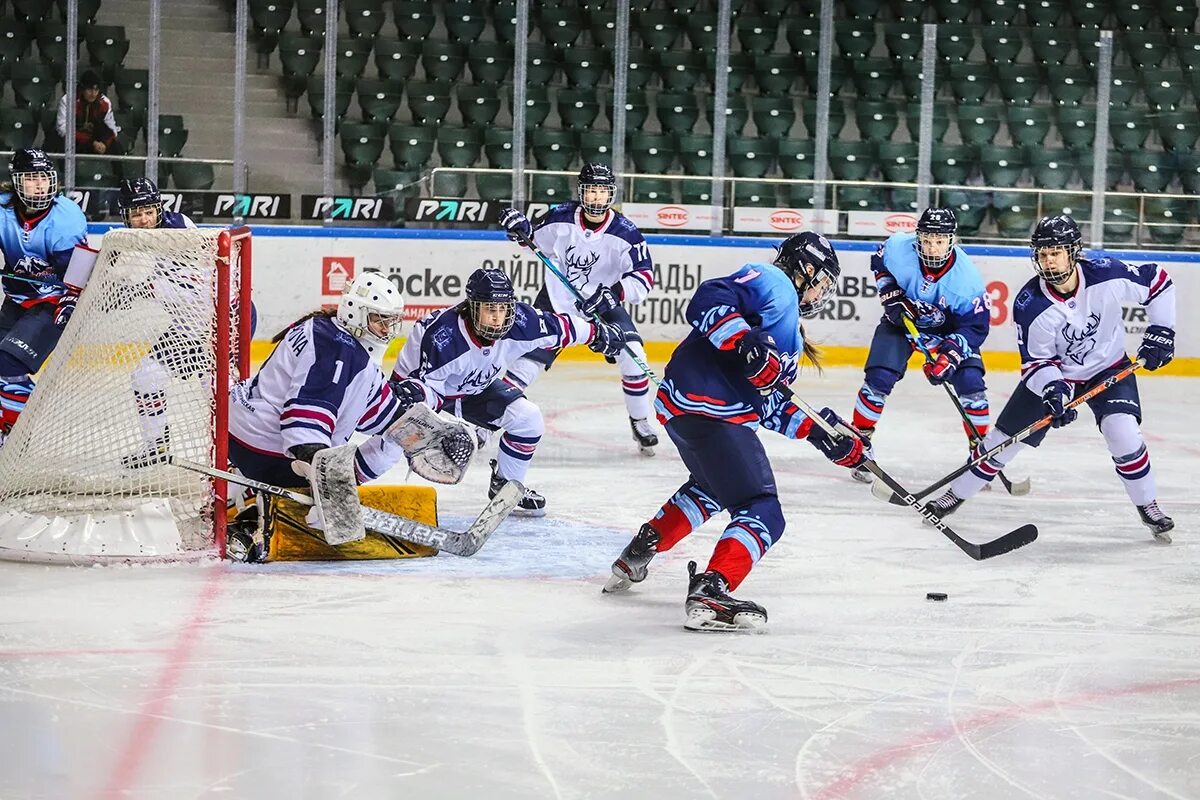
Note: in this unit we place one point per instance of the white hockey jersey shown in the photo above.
(319, 386)
(444, 354)
(1077, 337)
(614, 255)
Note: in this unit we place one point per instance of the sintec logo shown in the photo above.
(672, 216)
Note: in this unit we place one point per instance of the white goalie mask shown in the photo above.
(371, 309)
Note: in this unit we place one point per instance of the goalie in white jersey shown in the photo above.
(1071, 335)
(461, 354)
(608, 262)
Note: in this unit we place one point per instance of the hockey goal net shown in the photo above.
(143, 368)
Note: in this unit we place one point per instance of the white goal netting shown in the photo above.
(143, 368)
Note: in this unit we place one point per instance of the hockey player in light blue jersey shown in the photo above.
(927, 277)
(462, 354)
(1071, 333)
(39, 229)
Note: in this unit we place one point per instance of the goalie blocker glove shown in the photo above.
(1055, 397)
(763, 367)
(947, 357)
(1158, 347)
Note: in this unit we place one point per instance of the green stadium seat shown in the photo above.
(904, 40)
(443, 183)
(1015, 215)
(560, 25)
(952, 164)
(537, 105)
(1164, 88)
(130, 123)
(1089, 13)
(741, 67)
(658, 30)
(861, 198)
(577, 108)
(641, 68)
(1188, 165)
(970, 82)
(652, 152)
(836, 118)
(796, 158)
(443, 61)
(1028, 126)
(1071, 84)
(133, 88)
(352, 56)
(490, 63)
(172, 135)
(1114, 175)
(682, 70)
(362, 144)
(750, 158)
(909, 11)
(855, 38)
(459, 147)
(299, 56)
(494, 186)
(1019, 83)
(1177, 15)
(897, 161)
(803, 35)
(478, 105)
(429, 101)
(553, 149)
(1166, 219)
(1077, 126)
(637, 109)
(107, 46)
(269, 18)
(1073, 204)
(399, 184)
(31, 12)
(851, 161)
(1002, 45)
(1135, 16)
(364, 18)
(33, 85)
(802, 195)
(344, 91)
(1120, 218)
(1001, 12)
(756, 33)
(695, 192)
(695, 153)
(1052, 45)
(971, 208)
(755, 195)
(414, 19)
(1045, 13)
(96, 173)
(504, 21)
(873, 78)
(311, 14)
(978, 124)
(498, 147)
(18, 128)
(15, 39)
(776, 73)
(877, 120)
(1051, 169)
(941, 121)
(1179, 130)
(412, 145)
(1151, 171)
(52, 47)
(701, 31)
(1144, 48)
(397, 58)
(837, 75)
(862, 9)
(1002, 166)
(653, 190)
(585, 67)
(602, 25)
(1187, 50)
(955, 42)
(677, 111)
(465, 21)
(595, 146)
(193, 176)
(1124, 86)
(379, 98)
(542, 64)
(773, 116)
(954, 11)
(736, 114)
(912, 77)
(1129, 128)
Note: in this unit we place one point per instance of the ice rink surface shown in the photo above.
(1068, 669)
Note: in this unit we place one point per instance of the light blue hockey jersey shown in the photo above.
(49, 238)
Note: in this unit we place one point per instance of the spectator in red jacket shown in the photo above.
(96, 130)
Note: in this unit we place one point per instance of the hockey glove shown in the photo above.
(847, 450)
(408, 393)
(894, 302)
(763, 367)
(600, 303)
(1055, 397)
(1158, 347)
(66, 307)
(947, 357)
(516, 225)
(607, 339)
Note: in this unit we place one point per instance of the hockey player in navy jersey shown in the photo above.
(39, 229)
(927, 277)
(1071, 334)
(461, 354)
(141, 206)
(608, 262)
(721, 385)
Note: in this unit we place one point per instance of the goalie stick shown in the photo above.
(892, 496)
(1010, 541)
(458, 543)
(1019, 488)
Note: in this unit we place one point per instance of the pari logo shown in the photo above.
(672, 216)
(899, 223)
(262, 206)
(368, 208)
(785, 219)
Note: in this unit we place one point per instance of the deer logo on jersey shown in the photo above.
(579, 264)
(479, 379)
(1082, 343)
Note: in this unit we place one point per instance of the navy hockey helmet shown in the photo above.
(810, 261)
(1052, 235)
(936, 231)
(490, 290)
(34, 179)
(597, 176)
(139, 193)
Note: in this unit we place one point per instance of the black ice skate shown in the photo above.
(634, 562)
(1158, 522)
(150, 454)
(644, 435)
(531, 505)
(861, 473)
(945, 505)
(244, 542)
(710, 608)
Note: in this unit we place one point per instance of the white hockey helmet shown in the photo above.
(371, 309)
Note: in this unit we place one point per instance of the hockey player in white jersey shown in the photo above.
(1071, 335)
(461, 354)
(608, 262)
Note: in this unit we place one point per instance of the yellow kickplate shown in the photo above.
(292, 540)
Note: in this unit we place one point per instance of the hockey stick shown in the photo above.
(1010, 541)
(458, 543)
(891, 496)
(35, 281)
(545, 259)
(1022, 486)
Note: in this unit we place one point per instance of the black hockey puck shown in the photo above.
(939, 596)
